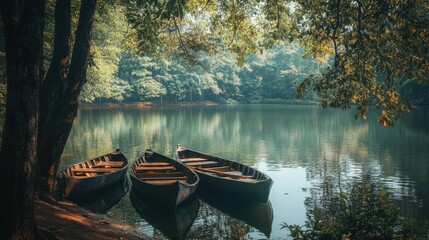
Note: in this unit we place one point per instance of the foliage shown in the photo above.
(218, 78)
(109, 41)
(375, 45)
(369, 54)
(372, 47)
(367, 211)
(376, 51)
(187, 27)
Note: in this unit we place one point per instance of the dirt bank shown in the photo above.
(66, 220)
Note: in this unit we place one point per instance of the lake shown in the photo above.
(300, 147)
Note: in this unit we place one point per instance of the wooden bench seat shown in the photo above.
(154, 164)
(94, 170)
(203, 164)
(159, 174)
(110, 164)
(154, 168)
(221, 168)
(163, 178)
(187, 160)
(234, 174)
(165, 181)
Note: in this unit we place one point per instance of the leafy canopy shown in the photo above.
(372, 47)
(376, 45)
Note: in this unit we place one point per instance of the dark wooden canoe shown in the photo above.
(163, 180)
(226, 175)
(93, 175)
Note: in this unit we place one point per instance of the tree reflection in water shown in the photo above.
(362, 209)
(213, 224)
(257, 215)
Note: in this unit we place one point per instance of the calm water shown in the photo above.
(299, 147)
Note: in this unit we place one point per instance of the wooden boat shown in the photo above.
(227, 175)
(173, 223)
(92, 175)
(162, 179)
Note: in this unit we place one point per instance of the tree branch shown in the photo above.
(334, 36)
(81, 47)
(188, 55)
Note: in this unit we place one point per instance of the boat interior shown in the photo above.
(162, 172)
(97, 166)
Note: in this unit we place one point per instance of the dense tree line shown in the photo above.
(272, 75)
(121, 73)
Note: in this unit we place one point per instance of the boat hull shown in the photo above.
(73, 187)
(166, 195)
(253, 185)
(169, 195)
(258, 192)
(102, 201)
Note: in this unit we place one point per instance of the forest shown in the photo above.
(56, 54)
(120, 70)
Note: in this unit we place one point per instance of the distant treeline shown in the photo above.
(269, 76)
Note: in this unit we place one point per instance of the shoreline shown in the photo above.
(143, 105)
(65, 220)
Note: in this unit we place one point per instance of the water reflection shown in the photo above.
(363, 209)
(212, 224)
(174, 224)
(257, 215)
(102, 201)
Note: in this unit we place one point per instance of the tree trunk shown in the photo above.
(23, 29)
(61, 89)
(52, 88)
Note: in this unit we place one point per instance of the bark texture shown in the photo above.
(23, 29)
(62, 87)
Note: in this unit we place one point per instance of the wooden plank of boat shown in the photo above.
(164, 178)
(201, 164)
(159, 174)
(154, 164)
(225, 174)
(110, 164)
(221, 168)
(94, 170)
(166, 181)
(187, 160)
(150, 168)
